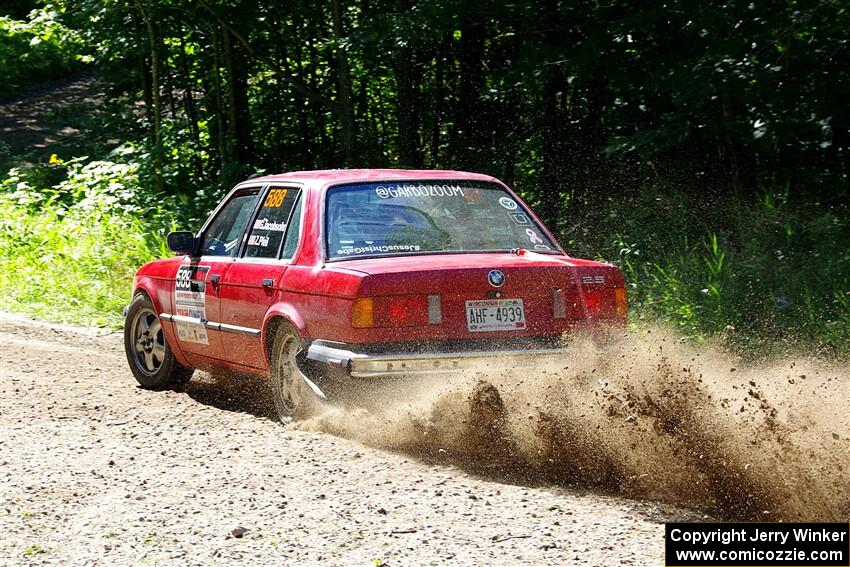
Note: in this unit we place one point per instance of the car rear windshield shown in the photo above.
(378, 219)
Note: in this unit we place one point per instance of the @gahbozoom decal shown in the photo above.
(190, 301)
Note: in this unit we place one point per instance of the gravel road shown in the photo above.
(94, 470)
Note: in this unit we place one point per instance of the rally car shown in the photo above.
(320, 279)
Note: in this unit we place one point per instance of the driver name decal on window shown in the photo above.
(266, 224)
(258, 240)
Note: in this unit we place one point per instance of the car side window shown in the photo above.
(223, 235)
(271, 222)
(293, 235)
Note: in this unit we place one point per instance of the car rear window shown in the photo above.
(375, 219)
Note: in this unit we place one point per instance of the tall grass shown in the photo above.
(69, 251)
(769, 276)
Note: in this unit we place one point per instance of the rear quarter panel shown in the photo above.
(317, 300)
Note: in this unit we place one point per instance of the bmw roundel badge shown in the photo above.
(496, 278)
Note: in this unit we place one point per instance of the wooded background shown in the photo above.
(704, 141)
(570, 100)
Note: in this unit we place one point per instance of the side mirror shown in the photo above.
(181, 242)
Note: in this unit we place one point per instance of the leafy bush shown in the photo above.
(37, 49)
(70, 251)
(763, 277)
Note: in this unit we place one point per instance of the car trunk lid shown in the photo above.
(556, 292)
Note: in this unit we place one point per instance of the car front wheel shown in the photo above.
(151, 360)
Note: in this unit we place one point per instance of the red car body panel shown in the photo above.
(156, 280)
(246, 297)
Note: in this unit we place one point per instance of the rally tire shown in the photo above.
(150, 357)
(293, 399)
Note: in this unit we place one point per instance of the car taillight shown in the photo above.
(603, 303)
(362, 314)
(401, 311)
(600, 303)
(622, 302)
(396, 311)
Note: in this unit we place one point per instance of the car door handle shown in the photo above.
(215, 278)
(268, 282)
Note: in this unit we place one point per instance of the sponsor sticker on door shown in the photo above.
(190, 301)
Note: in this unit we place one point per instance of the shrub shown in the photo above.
(37, 49)
(764, 277)
(70, 251)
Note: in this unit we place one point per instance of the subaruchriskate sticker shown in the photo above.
(190, 301)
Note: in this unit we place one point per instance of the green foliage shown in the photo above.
(766, 277)
(184, 160)
(703, 146)
(37, 49)
(69, 251)
(564, 98)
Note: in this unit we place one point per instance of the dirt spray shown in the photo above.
(647, 416)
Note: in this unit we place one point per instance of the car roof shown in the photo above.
(332, 176)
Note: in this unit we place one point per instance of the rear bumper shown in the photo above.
(384, 365)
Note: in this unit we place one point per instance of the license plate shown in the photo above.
(495, 315)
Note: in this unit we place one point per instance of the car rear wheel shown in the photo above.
(151, 360)
(293, 399)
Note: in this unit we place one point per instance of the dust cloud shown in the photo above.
(646, 416)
